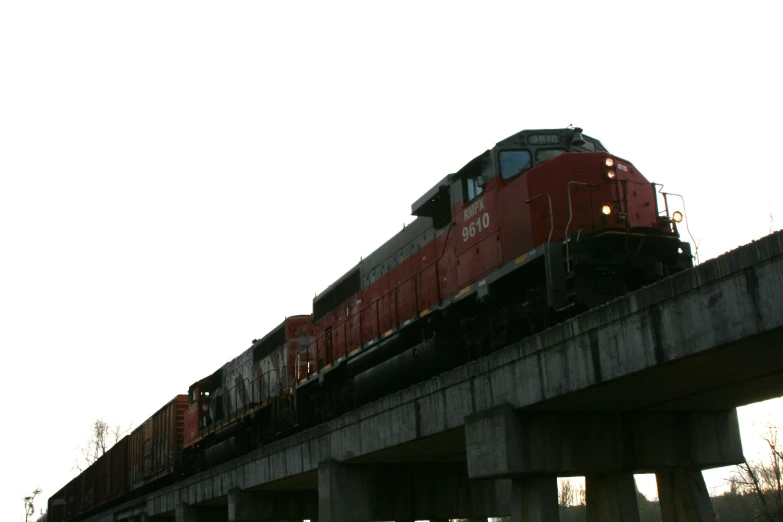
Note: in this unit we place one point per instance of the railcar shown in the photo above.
(542, 226)
(155, 447)
(248, 400)
(145, 460)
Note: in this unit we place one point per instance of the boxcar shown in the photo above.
(109, 478)
(155, 447)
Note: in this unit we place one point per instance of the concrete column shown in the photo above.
(534, 499)
(251, 506)
(611, 497)
(357, 493)
(188, 513)
(684, 496)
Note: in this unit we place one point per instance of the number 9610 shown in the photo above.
(474, 227)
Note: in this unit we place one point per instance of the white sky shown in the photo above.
(179, 176)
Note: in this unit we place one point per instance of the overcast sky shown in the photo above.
(179, 176)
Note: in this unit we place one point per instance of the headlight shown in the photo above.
(677, 216)
(610, 174)
(609, 162)
(606, 209)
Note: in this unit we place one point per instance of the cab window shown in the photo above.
(512, 162)
(472, 188)
(544, 154)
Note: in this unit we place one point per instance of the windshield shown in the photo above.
(544, 154)
(512, 162)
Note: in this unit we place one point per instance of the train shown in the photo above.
(543, 226)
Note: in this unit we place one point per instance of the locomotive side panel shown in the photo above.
(447, 264)
(271, 375)
(478, 249)
(427, 278)
(238, 380)
(516, 217)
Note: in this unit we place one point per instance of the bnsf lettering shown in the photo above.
(473, 209)
(471, 229)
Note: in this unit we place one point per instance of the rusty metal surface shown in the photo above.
(155, 447)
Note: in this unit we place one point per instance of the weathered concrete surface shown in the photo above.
(406, 492)
(706, 339)
(186, 513)
(256, 506)
(611, 497)
(684, 497)
(501, 442)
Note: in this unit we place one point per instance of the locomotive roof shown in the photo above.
(431, 194)
(527, 137)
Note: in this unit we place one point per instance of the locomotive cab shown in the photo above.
(597, 214)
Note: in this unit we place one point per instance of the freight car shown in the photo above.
(144, 460)
(544, 225)
(249, 400)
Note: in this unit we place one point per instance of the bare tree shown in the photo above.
(567, 493)
(102, 437)
(29, 505)
(762, 481)
(570, 493)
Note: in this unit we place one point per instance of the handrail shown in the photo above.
(551, 230)
(571, 218)
(685, 217)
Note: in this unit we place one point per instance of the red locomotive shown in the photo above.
(544, 225)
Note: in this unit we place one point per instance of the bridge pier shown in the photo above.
(421, 491)
(684, 496)
(607, 448)
(611, 496)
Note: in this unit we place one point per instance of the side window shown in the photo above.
(512, 162)
(472, 188)
(544, 154)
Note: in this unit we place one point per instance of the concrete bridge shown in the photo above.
(646, 383)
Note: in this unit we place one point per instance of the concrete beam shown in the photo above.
(354, 493)
(143, 517)
(246, 506)
(187, 513)
(501, 442)
(684, 496)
